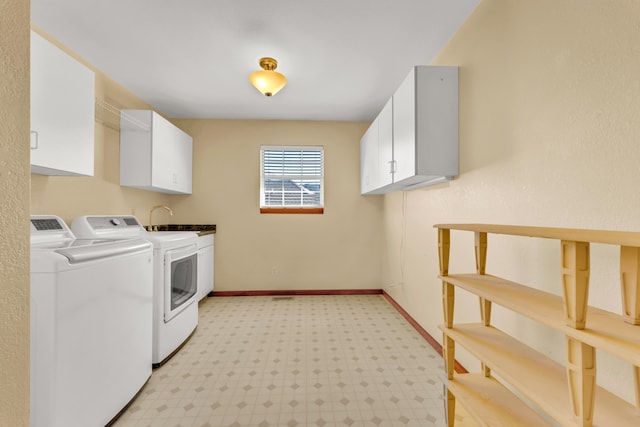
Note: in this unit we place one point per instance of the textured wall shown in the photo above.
(337, 250)
(549, 131)
(14, 210)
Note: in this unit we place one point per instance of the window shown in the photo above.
(291, 179)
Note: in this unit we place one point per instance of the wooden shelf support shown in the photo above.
(448, 300)
(636, 383)
(481, 266)
(450, 409)
(630, 283)
(481, 252)
(448, 355)
(575, 281)
(581, 375)
(448, 345)
(444, 246)
(485, 311)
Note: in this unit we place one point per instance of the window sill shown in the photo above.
(291, 210)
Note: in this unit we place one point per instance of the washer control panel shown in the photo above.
(106, 226)
(49, 228)
(102, 222)
(42, 224)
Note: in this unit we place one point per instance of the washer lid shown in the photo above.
(62, 244)
(103, 249)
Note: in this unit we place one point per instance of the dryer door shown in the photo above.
(180, 280)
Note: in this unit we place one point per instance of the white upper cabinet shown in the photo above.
(62, 111)
(385, 145)
(417, 133)
(376, 152)
(155, 155)
(369, 158)
(404, 129)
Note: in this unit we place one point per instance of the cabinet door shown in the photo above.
(205, 271)
(376, 157)
(171, 157)
(386, 165)
(404, 129)
(369, 159)
(184, 161)
(62, 111)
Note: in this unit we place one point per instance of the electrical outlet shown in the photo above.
(274, 271)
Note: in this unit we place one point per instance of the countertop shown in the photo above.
(201, 229)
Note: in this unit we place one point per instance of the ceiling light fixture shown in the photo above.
(268, 81)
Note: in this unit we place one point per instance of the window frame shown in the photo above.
(297, 208)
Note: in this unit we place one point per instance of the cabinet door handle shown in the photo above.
(34, 147)
(392, 166)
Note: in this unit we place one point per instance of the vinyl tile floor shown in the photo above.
(316, 361)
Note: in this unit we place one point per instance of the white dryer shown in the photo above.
(91, 302)
(175, 254)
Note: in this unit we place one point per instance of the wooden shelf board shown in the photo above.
(604, 330)
(537, 377)
(491, 404)
(622, 238)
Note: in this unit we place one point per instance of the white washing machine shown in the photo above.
(175, 254)
(91, 302)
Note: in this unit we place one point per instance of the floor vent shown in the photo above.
(282, 298)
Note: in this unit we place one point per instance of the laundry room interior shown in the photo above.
(339, 315)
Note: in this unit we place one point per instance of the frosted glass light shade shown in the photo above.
(268, 81)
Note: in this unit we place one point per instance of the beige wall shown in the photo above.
(14, 209)
(340, 249)
(549, 135)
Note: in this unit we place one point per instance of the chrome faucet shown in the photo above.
(150, 227)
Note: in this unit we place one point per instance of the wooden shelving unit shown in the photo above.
(567, 394)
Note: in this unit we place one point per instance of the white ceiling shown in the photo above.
(192, 58)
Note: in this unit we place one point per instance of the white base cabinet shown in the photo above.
(414, 140)
(205, 266)
(155, 155)
(62, 111)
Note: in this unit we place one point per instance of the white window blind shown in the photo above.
(291, 177)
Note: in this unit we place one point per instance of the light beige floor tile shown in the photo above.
(308, 361)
